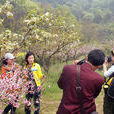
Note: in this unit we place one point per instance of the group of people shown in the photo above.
(33, 75)
(81, 85)
(79, 82)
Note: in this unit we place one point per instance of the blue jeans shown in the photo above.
(36, 98)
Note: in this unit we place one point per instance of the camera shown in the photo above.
(109, 59)
(81, 62)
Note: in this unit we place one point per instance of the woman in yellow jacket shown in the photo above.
(34, 76)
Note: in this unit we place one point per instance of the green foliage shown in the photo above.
(46, 33)
(99, 12)
(79, 7)
(88, 16)
(7, 37)
(52, 32)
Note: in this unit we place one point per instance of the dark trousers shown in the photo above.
(108, 106)
(8, 108)
(36, 98)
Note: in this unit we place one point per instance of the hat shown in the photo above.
(112, 52)
(9, 56)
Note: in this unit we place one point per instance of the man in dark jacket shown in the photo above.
(91, 83)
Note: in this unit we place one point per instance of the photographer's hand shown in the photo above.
(104, 67)
(76, 61)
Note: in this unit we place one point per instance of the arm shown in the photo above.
(98, 87)
(61, 79)
(3, 72)
(104, 67)
(108, 72)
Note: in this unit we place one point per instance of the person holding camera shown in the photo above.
(108, 106)
(90, 83)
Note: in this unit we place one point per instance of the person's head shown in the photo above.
(112, 56)
(96, 58)
(9, 59)
(29, 58)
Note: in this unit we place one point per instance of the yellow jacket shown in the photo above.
(109, 81)
(36, 72)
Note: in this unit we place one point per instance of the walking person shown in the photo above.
(7, 71)
(90, 85)
(34, 76)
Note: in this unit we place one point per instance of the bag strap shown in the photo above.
(79, 88)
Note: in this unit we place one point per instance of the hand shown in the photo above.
(76, 61)
(106, 60)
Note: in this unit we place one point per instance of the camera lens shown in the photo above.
(81, 62)
(109, 59)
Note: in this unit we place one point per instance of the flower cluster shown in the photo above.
(12, 89)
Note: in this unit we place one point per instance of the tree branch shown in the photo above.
(21, 43)
(59, 47)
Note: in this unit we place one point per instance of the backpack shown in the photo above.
(107, 84)
(110, 91)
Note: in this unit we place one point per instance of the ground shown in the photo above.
(50, 107)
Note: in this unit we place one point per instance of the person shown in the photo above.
(91, 83)
(108, 106)
(34, 75)
(7, 71)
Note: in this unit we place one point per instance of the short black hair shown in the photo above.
(27, 55)
(96, 57)
(4, 61)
